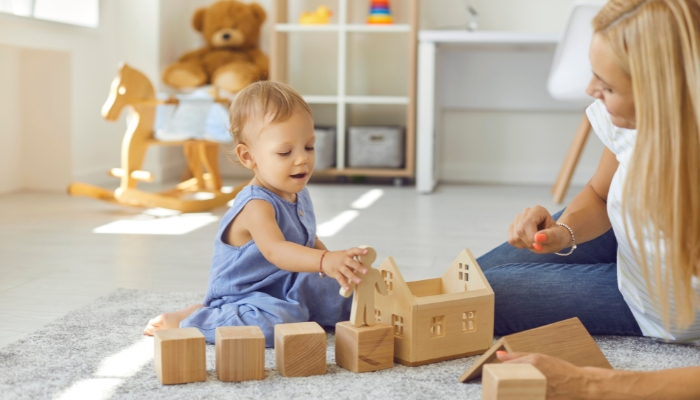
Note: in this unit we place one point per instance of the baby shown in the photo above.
(268, 265)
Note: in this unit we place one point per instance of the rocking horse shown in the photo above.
(203, 191)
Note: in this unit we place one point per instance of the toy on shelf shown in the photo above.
(379, 12)
(568, 340)
(438, 319)
(240, 353)
(513, 381)
(132, 88)
(322, 16)
(179, 356)
(361, 344)
(231, 58)
(300, 349)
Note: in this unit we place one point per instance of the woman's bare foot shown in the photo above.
(170, 320)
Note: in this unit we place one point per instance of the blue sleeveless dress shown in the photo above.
(246, 289)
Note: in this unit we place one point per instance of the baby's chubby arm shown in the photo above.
(258, 218)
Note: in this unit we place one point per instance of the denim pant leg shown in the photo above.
(602, 249)
(531, 295)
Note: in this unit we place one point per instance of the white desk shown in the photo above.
(478, 70)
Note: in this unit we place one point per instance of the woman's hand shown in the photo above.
(564, 380)
(536, 230)
(342, 266)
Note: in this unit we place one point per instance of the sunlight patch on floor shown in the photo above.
(159, 222)
(367, 199)
(111, 373)
(335, 225)
(330, 228)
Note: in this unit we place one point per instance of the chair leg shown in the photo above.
(561, 186)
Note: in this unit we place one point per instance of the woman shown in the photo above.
(645, 56)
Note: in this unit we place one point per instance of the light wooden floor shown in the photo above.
(51, 262)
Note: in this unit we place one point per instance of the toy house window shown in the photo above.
(464, 272)
(437, 327)
(398, 325)
(387, 276)
(377, 315)
(469, 321)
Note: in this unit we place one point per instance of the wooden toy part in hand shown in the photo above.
(321, 16)
(362, 312)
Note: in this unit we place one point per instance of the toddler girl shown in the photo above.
(268, 264)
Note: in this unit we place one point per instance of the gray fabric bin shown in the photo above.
(376, 146)
(324, 147)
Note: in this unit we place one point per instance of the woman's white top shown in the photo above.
(630, 278)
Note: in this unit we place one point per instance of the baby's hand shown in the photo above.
(342, 266)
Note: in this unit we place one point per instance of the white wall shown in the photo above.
(506, 146)
(10, 121)
(46, 119)
(93, 56)
(498, 15)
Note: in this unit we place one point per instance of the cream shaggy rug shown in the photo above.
(98, 352)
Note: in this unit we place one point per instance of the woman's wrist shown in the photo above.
(571, 242)
(601, 384)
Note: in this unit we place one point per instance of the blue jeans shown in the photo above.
(539, 289)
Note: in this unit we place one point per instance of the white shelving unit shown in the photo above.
(279, 71)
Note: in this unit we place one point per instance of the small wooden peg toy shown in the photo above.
(300, 349)
(513, 382)
(240, 353)
(361, 344)
(180, 356)
(362, 312)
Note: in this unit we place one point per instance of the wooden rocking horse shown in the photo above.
(201, 192)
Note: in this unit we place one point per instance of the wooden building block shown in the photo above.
(300, 349)
(513, 382)
(180, 356)
(365, 348)
(240, 353)
(568, 340)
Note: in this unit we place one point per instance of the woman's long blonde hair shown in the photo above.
(657, 42)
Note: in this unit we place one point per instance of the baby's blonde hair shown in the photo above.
(260, 104)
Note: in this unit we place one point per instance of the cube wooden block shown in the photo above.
(364, 348)
(512, 381)
(300, 349)
(180, 356)
(240, 353)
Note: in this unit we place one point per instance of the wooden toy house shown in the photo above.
(438, 319)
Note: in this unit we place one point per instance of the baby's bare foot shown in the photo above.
(169, 320)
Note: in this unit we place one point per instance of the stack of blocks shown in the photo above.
(300, 349)
(513, 381)
(379, 12)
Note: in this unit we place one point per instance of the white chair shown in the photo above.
(568, 78)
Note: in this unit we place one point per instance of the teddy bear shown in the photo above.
(231, 59)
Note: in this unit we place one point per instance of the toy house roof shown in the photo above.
(462, 279)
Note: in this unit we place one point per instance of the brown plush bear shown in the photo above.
(231, 60)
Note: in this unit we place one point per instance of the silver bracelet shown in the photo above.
(573, 241)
